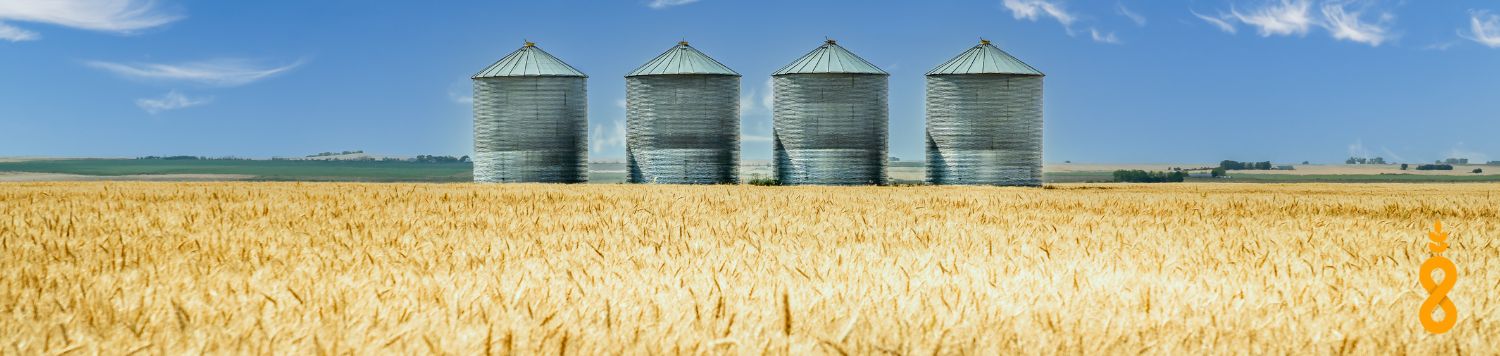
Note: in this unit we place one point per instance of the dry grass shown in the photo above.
(466, 269)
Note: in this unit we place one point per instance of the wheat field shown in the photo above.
(289, 268)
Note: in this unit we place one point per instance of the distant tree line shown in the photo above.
(417, 159)
(1435, 167)
(439, 159)
(326, 154)
(1362, 160)
(193, 158)
(1236, 165)
(1140, 176)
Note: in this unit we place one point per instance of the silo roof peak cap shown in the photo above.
(983, 42)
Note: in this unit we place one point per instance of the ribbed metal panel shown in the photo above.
(831, 129)
(531, 129)
(984, 129)
(683, 129)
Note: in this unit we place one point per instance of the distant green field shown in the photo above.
(1084, 177)
(372, 171)
(1355, 178)
(403, 171)
(1077, 177)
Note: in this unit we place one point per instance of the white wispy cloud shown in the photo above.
(756, 101)
(173, 100)
(1459, 151)
(1440, 46)
(662, 4)
(1392, 154)
(221, 72)
(1358, 150)
(1343, 19)
(611, 135)
(768, 96)
(1217, 22)
(1103, 37)
(747, 103)
(117, 16)
(1284, 18)
(756, 113)
(1484, 28)
(1132, 15)
(460, 98)
(16, 34)
(1036, 9)
(1347, 25)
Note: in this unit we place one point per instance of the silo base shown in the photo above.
(683, 166)
(831, 167)
(981, 167)
(529, 167)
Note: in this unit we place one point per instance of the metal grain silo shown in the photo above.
(830, 119)
(984, 120)
(682, 120)
(530, 120)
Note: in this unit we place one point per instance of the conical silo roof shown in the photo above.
(830, 58)
(984, 58)
(529, 61)
(683, 59)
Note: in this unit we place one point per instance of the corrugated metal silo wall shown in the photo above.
(683, 129)
(984, 129)
(830, 129)
(530, 129)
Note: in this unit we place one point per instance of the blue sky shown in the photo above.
(1128, 81)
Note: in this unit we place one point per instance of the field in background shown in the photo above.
(280, 170)
(304, 268)
(903, 172)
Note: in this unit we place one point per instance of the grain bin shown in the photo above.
(984, 120)
(530, 120)
(830, 119)
(682, 120)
